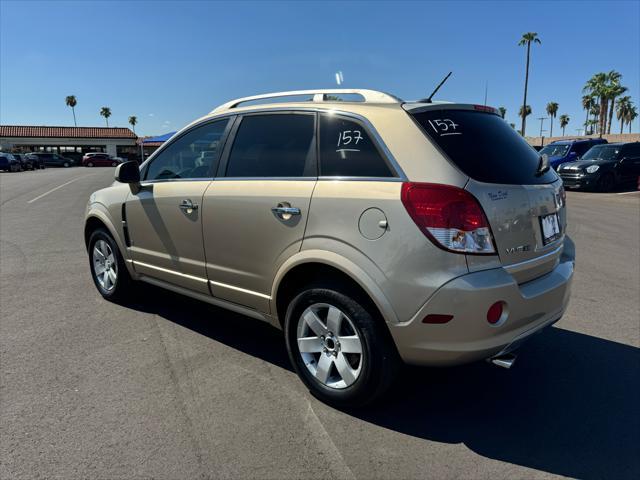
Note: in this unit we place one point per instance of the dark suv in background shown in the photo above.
(603, 167)
(562, 151)
(53, 159)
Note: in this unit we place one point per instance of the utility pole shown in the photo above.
(542, 119)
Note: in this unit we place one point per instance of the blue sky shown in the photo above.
(170, 62)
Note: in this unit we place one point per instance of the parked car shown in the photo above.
(371, 232)
(603, 167)
(75, 156)
(53, 159)
(27, 163)
(100, 160)
(38, 162)
(9, 163)
(563, 151)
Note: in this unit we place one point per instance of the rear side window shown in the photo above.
(484, 146)
(276, 145)
(347, 150)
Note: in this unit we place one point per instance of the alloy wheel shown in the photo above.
(330, 345)
(105, 267)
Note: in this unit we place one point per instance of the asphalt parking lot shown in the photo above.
(166, 387)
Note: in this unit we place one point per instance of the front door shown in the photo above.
(164, 218)
(256, 212)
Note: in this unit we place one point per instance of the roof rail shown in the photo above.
(318, 96)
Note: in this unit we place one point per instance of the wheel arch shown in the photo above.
(97, 218)
(309, 266)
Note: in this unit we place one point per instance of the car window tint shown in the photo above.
(273, 146)
(347, 150)
(484, 146)
(632, 150)
(193, 155)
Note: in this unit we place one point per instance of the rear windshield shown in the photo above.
(484, 146)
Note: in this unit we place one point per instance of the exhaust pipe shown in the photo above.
(504, 361)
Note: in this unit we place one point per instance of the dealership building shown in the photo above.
(115, 141)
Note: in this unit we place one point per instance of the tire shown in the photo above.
(607, 182)
(65, 164)
(90, 164)
(369, 374)
(114, 164)
(103, 246)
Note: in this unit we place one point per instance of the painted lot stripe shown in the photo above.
(58, 187)
(628, 193)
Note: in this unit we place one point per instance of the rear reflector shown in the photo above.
(494, 314)
(436, 318)
(449, 216)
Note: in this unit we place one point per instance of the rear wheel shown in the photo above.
(65, 164)
(338, 348)
(114, 164)
(90, 164)
(108, 270)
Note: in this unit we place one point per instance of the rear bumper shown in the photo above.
(468, 336)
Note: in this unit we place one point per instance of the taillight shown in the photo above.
(449, 216)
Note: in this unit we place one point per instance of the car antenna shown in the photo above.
(428, 99)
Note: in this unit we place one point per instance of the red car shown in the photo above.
(100, 160)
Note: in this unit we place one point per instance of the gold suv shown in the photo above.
(371, 230)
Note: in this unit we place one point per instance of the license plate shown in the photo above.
(550, 228)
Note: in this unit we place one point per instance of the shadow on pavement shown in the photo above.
(569, 406)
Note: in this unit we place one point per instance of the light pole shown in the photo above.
(542, 119)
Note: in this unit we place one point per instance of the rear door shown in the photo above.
(523, 203)
(257, 208)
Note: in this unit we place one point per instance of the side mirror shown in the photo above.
(128, 172)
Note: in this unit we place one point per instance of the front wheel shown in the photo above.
(114, 164)
(339, 350)
(108, 270)
(65, 164)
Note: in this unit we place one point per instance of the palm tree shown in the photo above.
(72, 102)
(552, 111)
(564, 121)
(622, 109)
(133, 120)
(632, 114)
(503, 111)
(527, 39)
(106, 113)
(615, 90)
(597, 87)
(587, 104)
(527, 112)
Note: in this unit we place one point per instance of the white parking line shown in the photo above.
(628, 193)
(58, 187)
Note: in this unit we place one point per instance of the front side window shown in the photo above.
(276, 145)
(347, 150)
(193, 155)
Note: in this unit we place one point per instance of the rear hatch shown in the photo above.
(523, 201)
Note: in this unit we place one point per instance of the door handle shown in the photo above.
(188, 206)
(285, 211)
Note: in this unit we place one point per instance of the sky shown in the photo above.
(170, 62)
